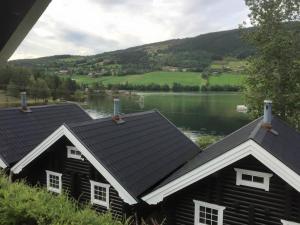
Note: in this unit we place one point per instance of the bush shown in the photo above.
(21, 204)
(233, 88)
(206, 140)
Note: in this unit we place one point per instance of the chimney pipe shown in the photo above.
(267, 112)
(116, 107)
(23, 101)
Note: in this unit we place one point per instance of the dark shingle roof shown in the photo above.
(138, 153)
(20, 132)
(285, 146)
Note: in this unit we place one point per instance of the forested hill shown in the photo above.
(189, 54)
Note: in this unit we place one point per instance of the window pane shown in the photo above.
(246, 177)
(258, 179)
(208, 216)
(100, 193)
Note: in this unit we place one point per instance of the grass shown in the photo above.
(161, 78)
(227, 79)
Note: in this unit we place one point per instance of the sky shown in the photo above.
(87, 27)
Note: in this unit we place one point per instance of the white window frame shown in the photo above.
(285, 222)
(97, 201)
(73, 156)
(49, 188)
(219, 208)
(266, 177)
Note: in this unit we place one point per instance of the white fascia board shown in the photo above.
(23, 29)
(2, 164)
(64, 131)
(245, 149)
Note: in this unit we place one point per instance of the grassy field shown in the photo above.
(227, 79)
(184, 78)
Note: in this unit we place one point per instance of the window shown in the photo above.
(285, 222)
(208, 214)
(53, 181)
(100, 194)
(74, 153)
(253, 179)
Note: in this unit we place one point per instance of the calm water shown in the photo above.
(213, 113)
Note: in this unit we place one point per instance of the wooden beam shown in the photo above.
(23, 29)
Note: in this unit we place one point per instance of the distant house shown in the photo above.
(141, 165)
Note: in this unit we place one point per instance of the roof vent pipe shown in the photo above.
(116, 107)
(23, 100)
(267, 112)
(24, 106)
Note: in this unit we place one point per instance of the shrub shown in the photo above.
(206, 140)
(21, 204)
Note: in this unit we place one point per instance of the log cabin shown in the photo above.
(109, 162)
(141, 165)
(22, 128)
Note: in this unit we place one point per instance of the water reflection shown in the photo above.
(213, 113)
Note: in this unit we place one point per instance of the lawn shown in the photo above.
(184, 78)
(227, 79)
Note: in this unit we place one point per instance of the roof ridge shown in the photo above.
(254, 121)
(40, 106)
(99, 120)
(255, 130)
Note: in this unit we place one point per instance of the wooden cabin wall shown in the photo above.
(244, 205)
(76, 176)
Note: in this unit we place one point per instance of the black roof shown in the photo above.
(282, 141)
(20, 132)
(138, 153)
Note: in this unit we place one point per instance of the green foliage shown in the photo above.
(37, 84)
(274, 71)
(189, 54)
(206, 140)
(21, 204)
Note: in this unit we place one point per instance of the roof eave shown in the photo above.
(23, 29)
(245, 149)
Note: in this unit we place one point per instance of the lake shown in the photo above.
(195, 114)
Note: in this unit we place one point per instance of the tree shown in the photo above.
(274, 70)
(43, 91)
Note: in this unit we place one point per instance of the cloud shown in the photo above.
(85, 27)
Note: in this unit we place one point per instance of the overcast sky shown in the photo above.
(85, 27)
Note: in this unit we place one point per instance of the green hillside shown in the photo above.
(189, 54)
(186, 55)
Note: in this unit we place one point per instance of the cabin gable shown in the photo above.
(77, 177)
(241, 204)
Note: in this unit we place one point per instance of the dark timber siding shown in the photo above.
(76, 176)
(244, 205)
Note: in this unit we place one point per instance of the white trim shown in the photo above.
(64, 131)
(285, 222)
(247, 148)
(23, 29)
(70, 155)
(49, 188)
(97, 201)
(2, 164)
(265, 176)
(219, 208)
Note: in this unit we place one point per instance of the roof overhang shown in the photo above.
(3, 165)
(245, 149)
(19, 19)
(55, 136)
